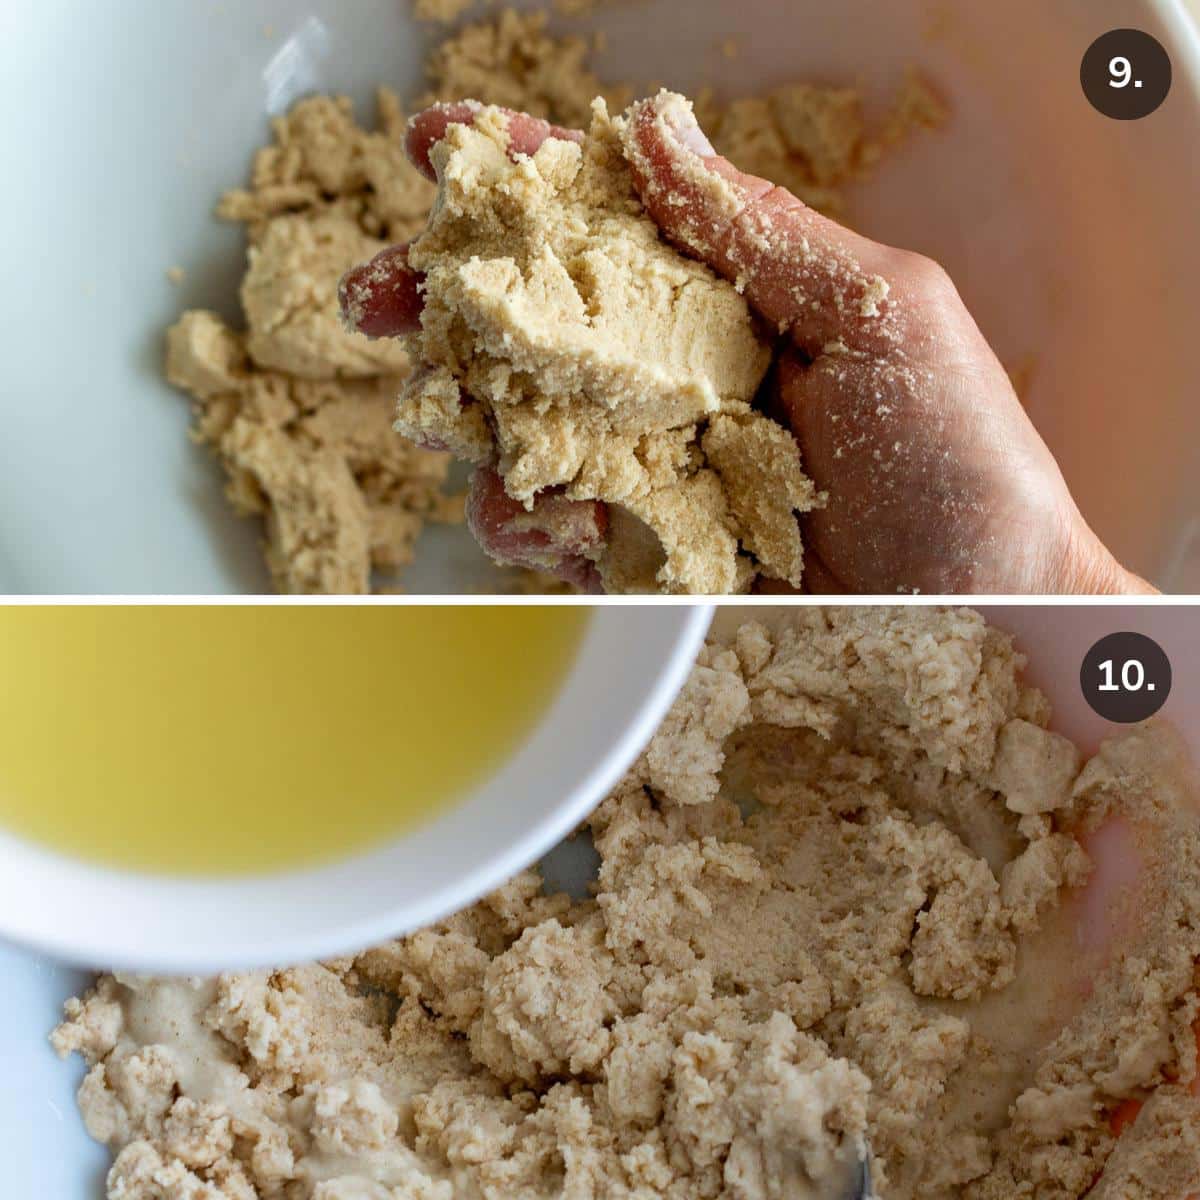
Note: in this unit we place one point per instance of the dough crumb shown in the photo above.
(817, 928)
(1034, 769)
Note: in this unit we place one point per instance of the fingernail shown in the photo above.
(686, 129)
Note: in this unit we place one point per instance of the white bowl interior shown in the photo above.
(630, 665)
(46, 1149)
(1072, 237)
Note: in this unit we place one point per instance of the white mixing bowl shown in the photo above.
(628, 668)
(46, 1151)
(1072, 237)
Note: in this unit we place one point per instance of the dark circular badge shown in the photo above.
(1125, 677)
(1126, 74)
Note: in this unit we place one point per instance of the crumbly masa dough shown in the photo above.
(511, 60)
(599, 360)
(328, 192)
(803, 137)
(444, 11)
(297, 408)
(340, 494)
(447, 11)
(817, 924)
(814, 139)
(289, 297)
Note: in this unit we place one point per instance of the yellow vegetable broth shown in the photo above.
(216, 740)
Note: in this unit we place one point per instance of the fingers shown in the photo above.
(426, 129)
(559, 536)
(804, 273)
(382, 298)
(936, 479)
(896, 516)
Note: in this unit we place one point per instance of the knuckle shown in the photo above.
(927, 276)
(934, 296)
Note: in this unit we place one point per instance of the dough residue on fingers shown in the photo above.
(603, 361)
(818, 926)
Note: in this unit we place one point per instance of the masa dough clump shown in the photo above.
(817, 926)
(602, 361)
(813, 139)
(297, 408)
(444, 11)
(512, 61)
(340, 493)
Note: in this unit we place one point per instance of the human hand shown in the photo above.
(936, 479)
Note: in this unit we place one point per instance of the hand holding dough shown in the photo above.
(935, 478)
(382, 299)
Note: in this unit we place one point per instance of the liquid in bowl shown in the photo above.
(210, 740)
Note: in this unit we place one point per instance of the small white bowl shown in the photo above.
(628, 669)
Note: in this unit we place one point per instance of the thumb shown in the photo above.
(807, 275)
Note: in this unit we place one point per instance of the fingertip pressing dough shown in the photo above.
(602, 360)
(817, 927)
(289, 297)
